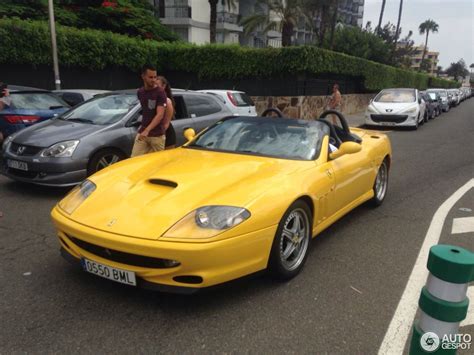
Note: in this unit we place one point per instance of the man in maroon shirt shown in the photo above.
(151, 134)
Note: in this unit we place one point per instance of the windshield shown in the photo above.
(432, 95)
(280, 138)
(396, 96)
(36, 101)
(103, 110)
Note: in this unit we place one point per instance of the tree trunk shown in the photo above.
(323, 26)
(377, 29)
(398, 23)
(286, 33)
(424, 49)
(213, 21)
(333, 23)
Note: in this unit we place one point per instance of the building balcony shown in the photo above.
(176, 12)
(227, 21)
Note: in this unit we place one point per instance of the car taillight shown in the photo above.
(21, 118)
(231, 98)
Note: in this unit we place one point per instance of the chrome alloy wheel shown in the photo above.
(381, 182)
(106, 161)
(294, 239)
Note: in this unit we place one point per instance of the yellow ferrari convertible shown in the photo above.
(246, 194)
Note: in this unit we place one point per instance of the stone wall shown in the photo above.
(308, 107)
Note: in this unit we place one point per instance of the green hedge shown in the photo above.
(28, 42)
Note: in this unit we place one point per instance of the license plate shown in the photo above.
(108, 272)
(388, 123)
(15, 164)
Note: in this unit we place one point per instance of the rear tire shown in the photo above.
(290, 246)
(104, 158)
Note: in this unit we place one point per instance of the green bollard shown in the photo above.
(443, 302)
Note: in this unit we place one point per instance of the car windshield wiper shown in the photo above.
(83, 120)
(57, 106)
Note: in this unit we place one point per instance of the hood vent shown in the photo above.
(162, 182)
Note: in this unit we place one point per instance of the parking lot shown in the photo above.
(342, 302)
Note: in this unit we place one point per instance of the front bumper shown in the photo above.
(373, 119)
(45, 171)
(210, 263)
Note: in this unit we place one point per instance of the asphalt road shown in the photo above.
(342, 302)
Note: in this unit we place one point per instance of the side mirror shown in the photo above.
(346, 148)
(189, 134)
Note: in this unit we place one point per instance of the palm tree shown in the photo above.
(213, 20)
(397, 32)
(426, 27)
(381, 16)
(333, 22)
(281, 15)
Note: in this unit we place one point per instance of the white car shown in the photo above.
(396, 107)
(237, 101)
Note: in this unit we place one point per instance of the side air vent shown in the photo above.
(163, 182)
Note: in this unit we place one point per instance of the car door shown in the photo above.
(182, 120)
(354, 176)
(204, 109)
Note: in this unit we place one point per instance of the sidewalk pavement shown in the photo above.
(355, 119)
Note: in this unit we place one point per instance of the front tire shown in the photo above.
(290, 246)
(102, 159)
(380, 185)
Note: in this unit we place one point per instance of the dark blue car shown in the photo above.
(29, 106)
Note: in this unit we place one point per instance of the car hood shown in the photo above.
(47, 133)
(144, 197)
(396, 108)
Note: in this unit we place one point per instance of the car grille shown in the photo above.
(123, 258)
(389, 118)
(27, 150)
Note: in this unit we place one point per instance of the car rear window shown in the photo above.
(201, 105)
(36, 100)
(242, 99)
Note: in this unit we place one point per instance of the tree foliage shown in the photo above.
(28, 42)
(458, 70)
(130, 17)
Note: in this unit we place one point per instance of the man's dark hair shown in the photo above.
(148, 67)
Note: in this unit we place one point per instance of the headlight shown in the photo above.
(6, 143)
(371, 109)
(63, 149)
(77, 196)
(411, 111)
(207, 222)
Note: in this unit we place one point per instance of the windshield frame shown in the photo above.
(192, 144)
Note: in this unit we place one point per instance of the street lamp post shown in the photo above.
(52, 27)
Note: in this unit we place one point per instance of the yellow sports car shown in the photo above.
(246, 194)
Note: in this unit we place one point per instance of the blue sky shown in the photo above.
(455, 38)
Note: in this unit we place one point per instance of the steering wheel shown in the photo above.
(272, 110)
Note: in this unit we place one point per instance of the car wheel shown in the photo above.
(425, 118)
(290, 246)
(103, 159)
(380, 185)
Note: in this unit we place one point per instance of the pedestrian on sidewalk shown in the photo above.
(163, 83)
(335, 101)
(151, 133)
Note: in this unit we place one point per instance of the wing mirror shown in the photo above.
(189, 134)
(346, 148)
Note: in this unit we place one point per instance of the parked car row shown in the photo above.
(98, 132)
(408, 107)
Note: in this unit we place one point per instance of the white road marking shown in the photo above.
(401, 325)
(470, 312)
(463, 225)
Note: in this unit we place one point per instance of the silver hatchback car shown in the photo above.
(95, 134)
